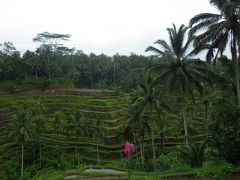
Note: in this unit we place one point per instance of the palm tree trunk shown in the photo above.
(22, 160)
(40, 155)
(215, 61)
(91, 78)
(78, 158)
(153, 146)
(162, 138)
(135, 140)
(153, 150)
(49, 69)
(141, 152)
(236, 64)
(206, 117)
(163, 131)
(75, 150)
(185, 128)
(98, 152)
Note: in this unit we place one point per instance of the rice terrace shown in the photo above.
(127, 94)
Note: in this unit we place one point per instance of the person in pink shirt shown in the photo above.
(127, 149)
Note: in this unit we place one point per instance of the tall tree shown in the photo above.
(146, 101)
(98, 133)
(81, 127)
(21, 128)
(220, 29)
(179, 71)
(50, 42)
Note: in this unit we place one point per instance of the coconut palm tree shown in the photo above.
(146, 102)
(139, 123)
(211, 55)
(220, 29)
(37, 109)
(179, 70)
(98, 132)
(21, 129)
(40, 126)
(80, 126)
(144, 126)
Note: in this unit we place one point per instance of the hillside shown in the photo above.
(110, 106)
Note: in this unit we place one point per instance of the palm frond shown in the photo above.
(154, 50)
(165, 45)
(203, 25)
(203, 17)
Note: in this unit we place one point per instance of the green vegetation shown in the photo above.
(181, 113)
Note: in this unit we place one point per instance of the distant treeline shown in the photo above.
(52, 60)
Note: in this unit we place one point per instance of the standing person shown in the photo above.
(127, 149)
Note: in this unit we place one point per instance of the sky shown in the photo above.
(98, 26)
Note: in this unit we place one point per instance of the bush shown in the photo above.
(170, 160)
(193, 155)
(133, 164)
(224, 131)
(10, 169)
(57, 160)
(216, 170)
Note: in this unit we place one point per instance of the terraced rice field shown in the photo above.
(109, 105)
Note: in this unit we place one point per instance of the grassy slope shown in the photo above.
(109, 105)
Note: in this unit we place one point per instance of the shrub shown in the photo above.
(216, 170)
(10, 169)
(170, 160)
(133, 164)
(193, 155)
(224, 131)
(56, 159)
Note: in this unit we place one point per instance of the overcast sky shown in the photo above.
(99, 26)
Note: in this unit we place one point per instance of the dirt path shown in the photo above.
(95, 178)
(102, 170)
(105, 170)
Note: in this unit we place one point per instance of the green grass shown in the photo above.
(30, 83)
(111, 110)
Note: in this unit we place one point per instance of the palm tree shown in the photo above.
(146, 100)
(80, 125)
(139, 123)
(21, 128)
(144, 126)
(221, 29)
(57, 124)
(179, 71)
(40, 126)
(210, 55)
(98, 133)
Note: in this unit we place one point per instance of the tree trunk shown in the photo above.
(215, 61)
(49, 69)
(22, 160)
(40, 155)
(78, 158)
(185, 128)
(36, 74)
(153, 150)
(236, 68)
(164, 131)
(206, 117)
(141, 152)
(98, 152)
(162, 137)
(91, 78)
(75, 150)
(135, 140)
